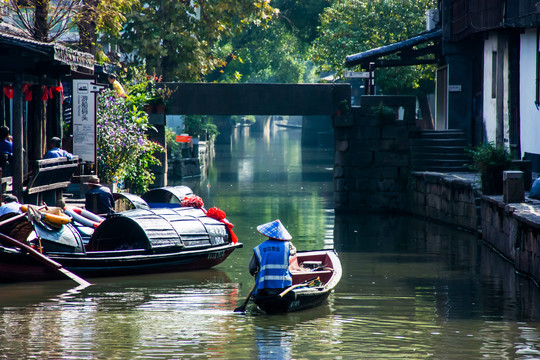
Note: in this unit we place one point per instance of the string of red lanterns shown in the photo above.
(48, 92)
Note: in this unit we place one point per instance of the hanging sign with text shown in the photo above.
(84, 118)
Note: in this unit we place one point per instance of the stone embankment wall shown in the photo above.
(372, 173)
(452, 199)
(514, 231)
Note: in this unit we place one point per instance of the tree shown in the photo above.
(101, 17)
(47, 21)
(261, 55)
(42, 20)
(352, 26)
(276, 53)
(176, 39)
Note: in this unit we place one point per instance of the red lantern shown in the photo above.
(45, 95)
(27, 92)
(8, 91)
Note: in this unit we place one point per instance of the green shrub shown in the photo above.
(489, 157)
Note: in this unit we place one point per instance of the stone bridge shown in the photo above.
(372, 145)
(318, 102)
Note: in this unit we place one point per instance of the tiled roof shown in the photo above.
(9, 35)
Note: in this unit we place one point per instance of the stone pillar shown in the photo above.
(158, 135)
(513, 187)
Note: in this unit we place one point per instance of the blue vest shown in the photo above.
(273, 257)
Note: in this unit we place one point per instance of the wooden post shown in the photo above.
(2, 105)
(17, 133)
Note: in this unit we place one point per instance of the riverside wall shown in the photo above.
(453, 199)
(372, 160)
(372, 174)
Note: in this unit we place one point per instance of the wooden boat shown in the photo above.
(320, 272)
(286, 124)
(130, 242)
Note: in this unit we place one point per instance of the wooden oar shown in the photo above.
(13, 218)
(305, 283)
(44, 259)
(242, 308)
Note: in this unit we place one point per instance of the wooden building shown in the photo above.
(31, 75)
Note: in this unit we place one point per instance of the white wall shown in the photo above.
(490, 103)
(529, 113)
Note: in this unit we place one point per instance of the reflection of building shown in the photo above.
(31, 76)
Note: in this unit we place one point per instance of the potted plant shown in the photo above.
(385, 114)
(490, 160)
(157, 98)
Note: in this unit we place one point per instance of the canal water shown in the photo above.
(411, 289)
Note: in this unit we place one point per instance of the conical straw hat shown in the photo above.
(274, 230)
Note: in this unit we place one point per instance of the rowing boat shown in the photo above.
(317, 275)
(137, 241)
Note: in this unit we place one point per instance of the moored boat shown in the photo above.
(319, 273)
(135, 241)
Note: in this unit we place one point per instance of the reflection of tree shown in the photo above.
(257, 179)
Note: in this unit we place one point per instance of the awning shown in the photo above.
(408, 55)
(54, 53)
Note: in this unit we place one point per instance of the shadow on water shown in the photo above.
(466, 277)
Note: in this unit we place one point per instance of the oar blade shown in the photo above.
(242, 308)
(74, 277)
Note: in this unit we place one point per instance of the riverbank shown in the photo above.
(512, 229)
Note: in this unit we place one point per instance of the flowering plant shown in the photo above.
(123, 149)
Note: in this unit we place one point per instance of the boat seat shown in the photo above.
(311, 264)
(301, 276)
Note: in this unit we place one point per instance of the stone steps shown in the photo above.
(439, 151)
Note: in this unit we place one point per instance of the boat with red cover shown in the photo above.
(318, 274)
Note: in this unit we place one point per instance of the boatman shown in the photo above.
(99, 198)
(270, 260)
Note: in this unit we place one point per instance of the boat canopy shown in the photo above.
(171, 195)
(183, 227)
(127, 201)
(64, 239)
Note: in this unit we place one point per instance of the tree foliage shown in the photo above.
(275, 53)
(262, 55)
(105, 17)
(176, 39)
(353, 26)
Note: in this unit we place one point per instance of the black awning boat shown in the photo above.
(320, 273)
(130, 242)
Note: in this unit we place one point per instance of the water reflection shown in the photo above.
(410, 289)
